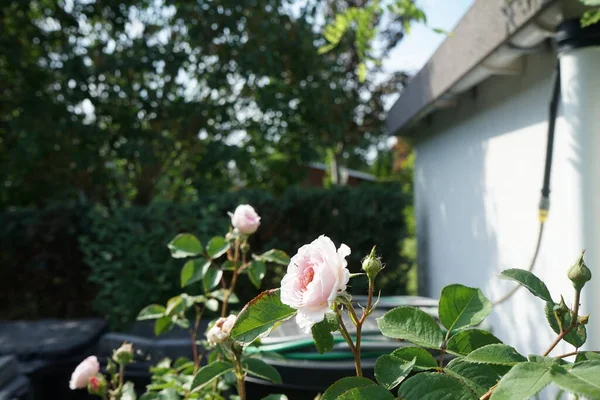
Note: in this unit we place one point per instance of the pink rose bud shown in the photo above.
(97, 385)
(220, 331)
(245, 219)
(316, 275)
(84, 372)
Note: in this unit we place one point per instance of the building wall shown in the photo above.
(478, 175)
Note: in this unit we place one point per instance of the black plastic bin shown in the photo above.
(47, 352)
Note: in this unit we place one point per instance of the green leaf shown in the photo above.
(261, 369)
(259, 316)
(576, 337)
(220, 295)
(548, 361)
(528, 280)
(344, 385)
(390, 370)
(423, 359)
(478, 377)
(522, 382)
(587, 356)
(212, 304)
(322, 336)
(434, 386)
(582, 379)
(275, 256)
(208, 373)
(185, 245)
(217, 246)
(468, 340)
(367, 393)
(256, 272)
(412, 324)
(193, 271)
(212, 277)
(153, 311)
(590, 17)
(362, 72)
(179, 304)
(497, 354)
(461, 306)
(128, 392)
(162, 325)
(275, 397)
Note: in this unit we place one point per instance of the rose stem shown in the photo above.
(571, 326)
(233, 279)
(194, 334)
(359, 325)
(346, 336)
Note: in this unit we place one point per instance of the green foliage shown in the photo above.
(95, 110)
(581, 379)
(261, 369)
(321, 333)
(557, 319)
(411, 324)
(131, 265)
(209, 373)
(390, 370)
(344, 385)
(530, 281)
(468, 340)
(259, 316)
(392, 19)
(423, 358)
(256, 272)
(185, 245)
(522, 382)
(477, 377)
(461, 306)
(434, 386)
(366, 393)
(42, 271)
(495, 354)
(591, 17)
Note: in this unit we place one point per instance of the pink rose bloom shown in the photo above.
(314, 278)
(245, 219)
(220, 330)
(84, 372)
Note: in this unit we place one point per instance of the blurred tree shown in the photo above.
(125, 102)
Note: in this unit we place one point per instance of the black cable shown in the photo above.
(545, 199)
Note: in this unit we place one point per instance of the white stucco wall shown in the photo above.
(478, 176)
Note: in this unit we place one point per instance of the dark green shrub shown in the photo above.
(122, 263)
(42, 273)
(131, 266)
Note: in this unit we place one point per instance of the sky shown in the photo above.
(417, 47)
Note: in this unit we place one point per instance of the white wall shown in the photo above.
(478, 176)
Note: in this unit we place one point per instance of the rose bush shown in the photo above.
(314, 292)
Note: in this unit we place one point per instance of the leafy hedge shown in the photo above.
(42, 273)
(126, 258)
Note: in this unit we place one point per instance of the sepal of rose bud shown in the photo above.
(372, 265)
(97, 385)
(583, 319)
(124, 354)
(579, 273)
(245, 247)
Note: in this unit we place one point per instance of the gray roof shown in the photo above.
(486, 27)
